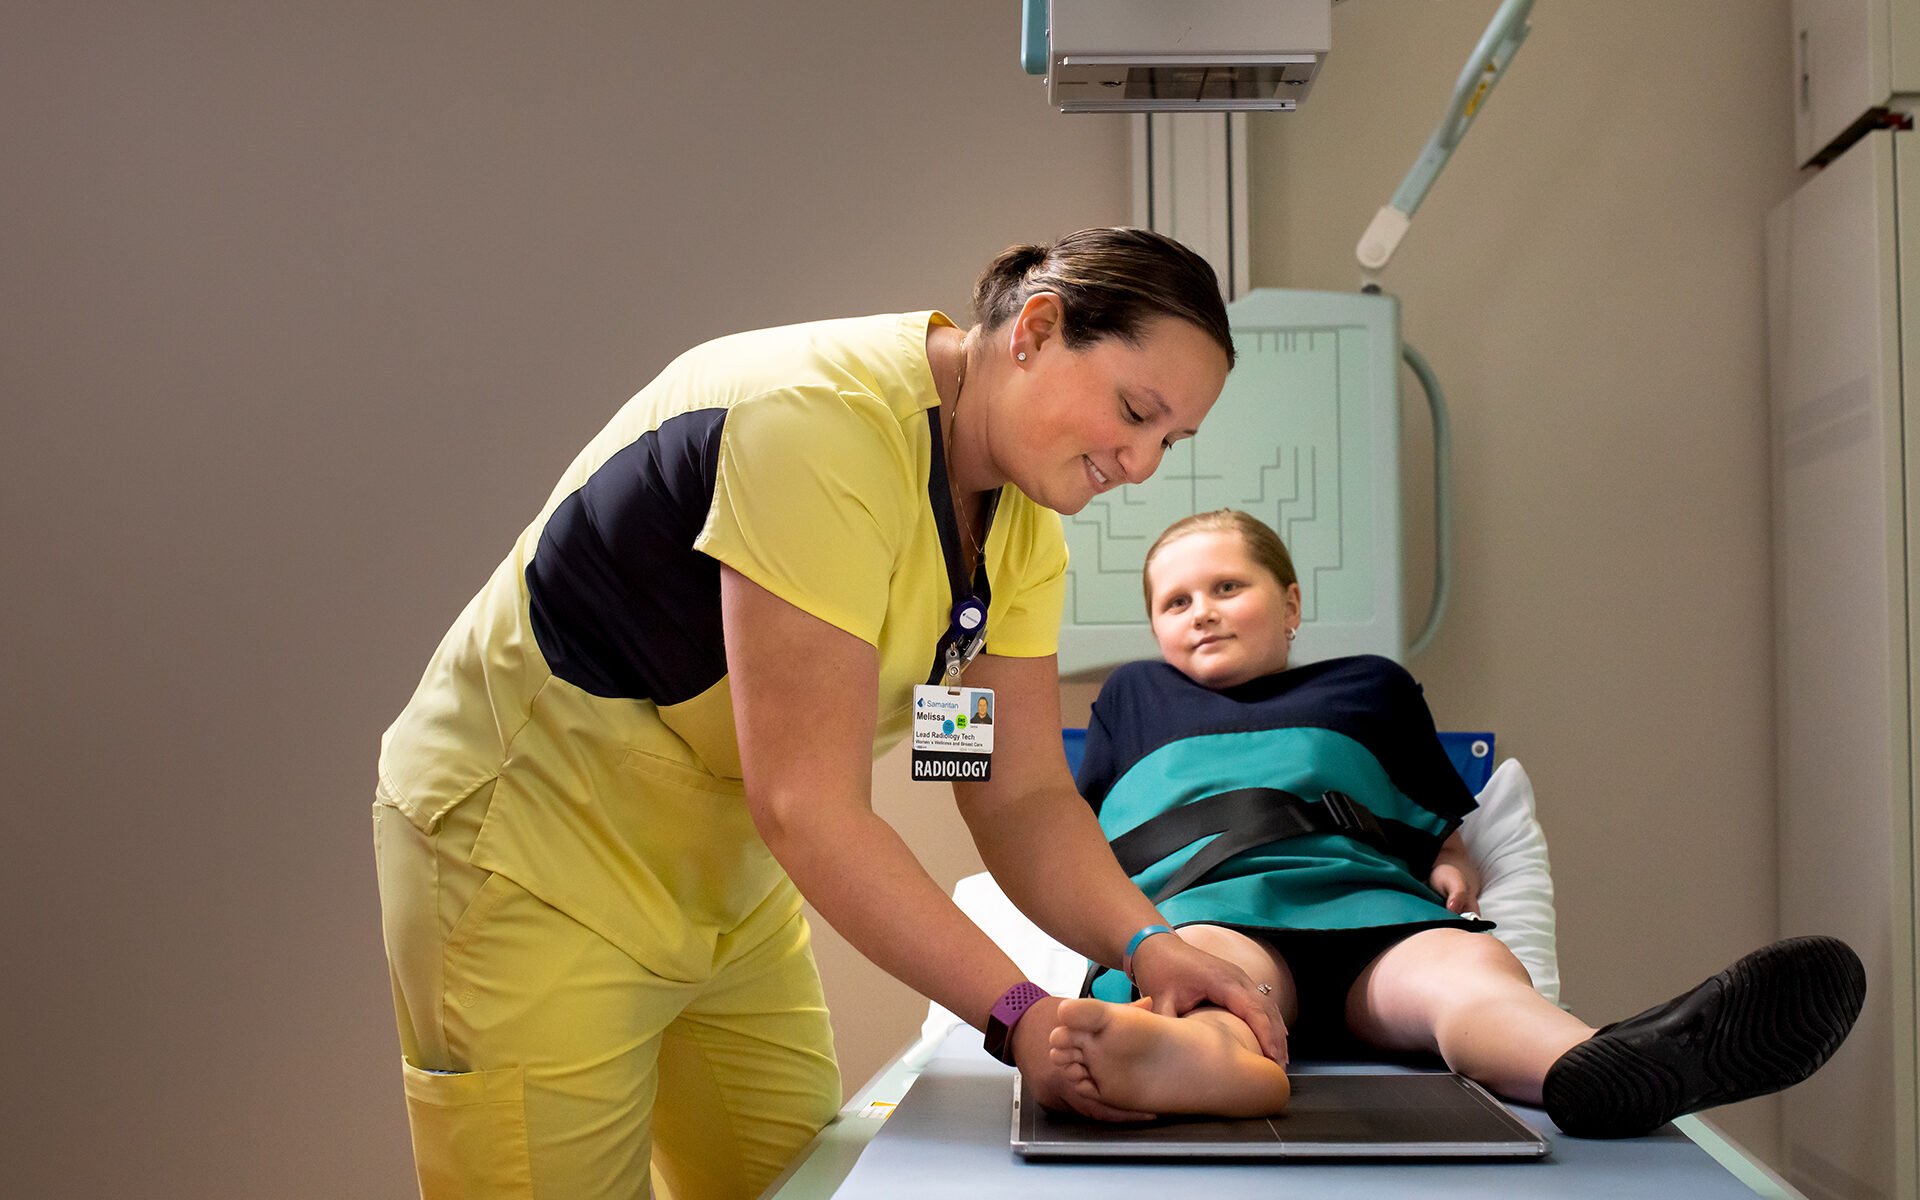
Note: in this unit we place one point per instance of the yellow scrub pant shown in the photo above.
(541, 1061)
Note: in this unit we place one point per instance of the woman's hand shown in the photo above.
(1051, 1083)
(1180, 977)
(1454, 877)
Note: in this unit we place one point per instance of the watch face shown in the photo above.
(996, 1040)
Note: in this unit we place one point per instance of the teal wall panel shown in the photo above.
(1306, 436)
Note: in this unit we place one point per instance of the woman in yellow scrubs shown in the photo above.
(651, 732)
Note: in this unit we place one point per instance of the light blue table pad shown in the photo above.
(949, 1138)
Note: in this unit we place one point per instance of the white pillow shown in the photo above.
(1503, 837)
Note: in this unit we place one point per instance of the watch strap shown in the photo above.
(1007, 1011)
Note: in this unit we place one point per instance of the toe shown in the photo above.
(1082, 1016)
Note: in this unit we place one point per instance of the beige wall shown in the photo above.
(1586, 280)
(302, 310)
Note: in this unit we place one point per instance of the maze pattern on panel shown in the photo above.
(1290, 442)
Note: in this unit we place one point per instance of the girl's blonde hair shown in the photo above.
(1262, 542)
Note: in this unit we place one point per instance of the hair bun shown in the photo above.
(1002, 286)
(1022, 259)
(1011, 267)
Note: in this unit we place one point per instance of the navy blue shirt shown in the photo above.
(1360, 726)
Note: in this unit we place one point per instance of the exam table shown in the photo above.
(948, 1137)
(936, 1120)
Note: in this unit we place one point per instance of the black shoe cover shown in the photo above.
(1763, 1024)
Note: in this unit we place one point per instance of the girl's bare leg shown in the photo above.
(1466, 997)
(1204, 1062)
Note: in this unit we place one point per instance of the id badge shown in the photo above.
(952, 733)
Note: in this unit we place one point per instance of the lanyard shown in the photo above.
(967, 622)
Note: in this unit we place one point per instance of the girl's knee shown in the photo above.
(1249, 954)
(1481, 971)
(1440, 968)
(1450, 948)
(1491, 954)
(1219, 941)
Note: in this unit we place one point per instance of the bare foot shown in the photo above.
(1129, 1057)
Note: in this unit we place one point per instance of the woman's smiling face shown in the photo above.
(1093, 418)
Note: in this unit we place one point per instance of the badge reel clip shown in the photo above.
(970, 628)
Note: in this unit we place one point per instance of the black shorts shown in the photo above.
(1325, 963)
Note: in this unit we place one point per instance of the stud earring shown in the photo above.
(1022, 356)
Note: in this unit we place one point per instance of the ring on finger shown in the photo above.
(1265, 989)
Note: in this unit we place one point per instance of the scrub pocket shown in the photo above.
(469, 1133)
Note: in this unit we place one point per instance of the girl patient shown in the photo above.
(1339, 881)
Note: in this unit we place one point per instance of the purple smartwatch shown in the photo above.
(1006, 1014)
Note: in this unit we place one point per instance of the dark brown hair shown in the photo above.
(1110, 281)
(1262, 543)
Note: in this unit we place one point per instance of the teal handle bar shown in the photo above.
(1033, 36)
(1442, 498)
(1497, 47)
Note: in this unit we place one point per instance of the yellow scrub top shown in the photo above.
(587, 680)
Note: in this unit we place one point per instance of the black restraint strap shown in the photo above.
(1249, 817)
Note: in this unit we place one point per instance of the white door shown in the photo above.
(1842, 625)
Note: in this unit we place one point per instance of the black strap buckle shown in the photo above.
(1352, 819)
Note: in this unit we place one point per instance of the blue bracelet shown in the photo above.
(1133, 943)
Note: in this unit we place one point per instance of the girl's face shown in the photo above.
(1220, 617)
(1094, 418)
